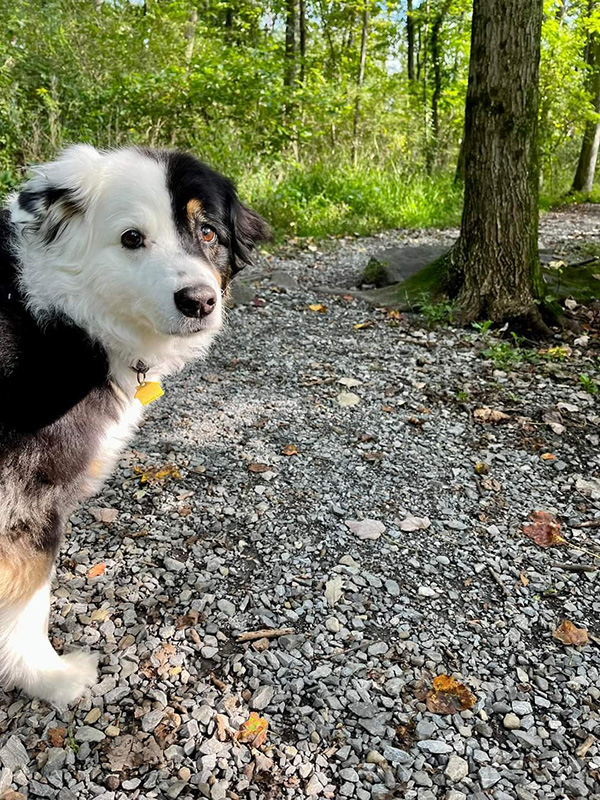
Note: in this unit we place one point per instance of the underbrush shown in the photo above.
(329, 200)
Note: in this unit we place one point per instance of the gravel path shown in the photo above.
(214, 526)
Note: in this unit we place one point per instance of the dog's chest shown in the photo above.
(112, 441)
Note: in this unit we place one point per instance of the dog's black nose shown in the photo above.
(196, 301)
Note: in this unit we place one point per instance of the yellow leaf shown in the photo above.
(290, 450)
(448, 696)
(253, 731)
(360, 325)
(318, 307)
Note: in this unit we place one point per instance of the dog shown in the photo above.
(114, 266)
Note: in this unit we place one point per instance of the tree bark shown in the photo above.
(436, 60)
(302, 20)
(410, 40)
(360, 77)
(588, 156)
(190, 36)
(291, 47)
(494, 268)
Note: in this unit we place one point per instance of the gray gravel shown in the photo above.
(446, 583)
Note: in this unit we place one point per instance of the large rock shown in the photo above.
(398, 263)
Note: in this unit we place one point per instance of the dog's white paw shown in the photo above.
(66, 681)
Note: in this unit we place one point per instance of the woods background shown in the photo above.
(333, 117)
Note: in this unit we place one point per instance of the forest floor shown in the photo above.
(342, 474)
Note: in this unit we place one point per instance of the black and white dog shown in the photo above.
(113, 268)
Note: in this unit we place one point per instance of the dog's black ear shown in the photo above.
(248, 229)
(56, 193)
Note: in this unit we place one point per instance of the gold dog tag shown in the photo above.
(149, 392)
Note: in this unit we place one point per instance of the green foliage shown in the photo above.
(440, 313)
(323, 199)
(320, 154)
(588, 383)
(507, 354)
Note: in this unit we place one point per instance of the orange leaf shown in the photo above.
(57, 736)
(253, 731)
(290, 450)
(567, 633)
(548, 457)
(448, 696)
(544, 529)
(96, 570)
(257, 467)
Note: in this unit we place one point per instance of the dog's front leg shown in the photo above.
(27, 659)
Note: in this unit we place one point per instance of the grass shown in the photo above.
(332, 200)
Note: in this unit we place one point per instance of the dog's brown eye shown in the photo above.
(208, 234)
(132, 239)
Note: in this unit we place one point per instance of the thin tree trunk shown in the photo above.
(291, 47)
(436, 60)
(302, 20)
(410, 40)
(494, 266)
(360, 78)
(190, 35)
(588, 156)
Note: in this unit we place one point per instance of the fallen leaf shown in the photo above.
(448, 696)
(348, 399)
(57, 736)
(415, 523)
(157, 474)
(548, 457)
(348, 297)
(373, 456)
(185, 495)
(361, 325)
(257, 467)
(366, 528)
(544, 529)
(481, 468)
(387, 409)
(97, 570)
(581, 751)
(333, 589)
(253, 731)
(491, 485)
(567, 633)
(319, 307)
(106, 515)
(223, 730)
(490, 415)
(350, 383)
(524, 579)
(290, 450)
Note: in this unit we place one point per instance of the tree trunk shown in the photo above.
(586, 167)
(360, 78)
(436, 60)
(410, 40)
(289, 75)
(302, 10)
(494, 268)
(190, 36)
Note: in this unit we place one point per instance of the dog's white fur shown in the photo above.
(125, 300)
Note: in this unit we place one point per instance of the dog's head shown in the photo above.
(135, 246)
